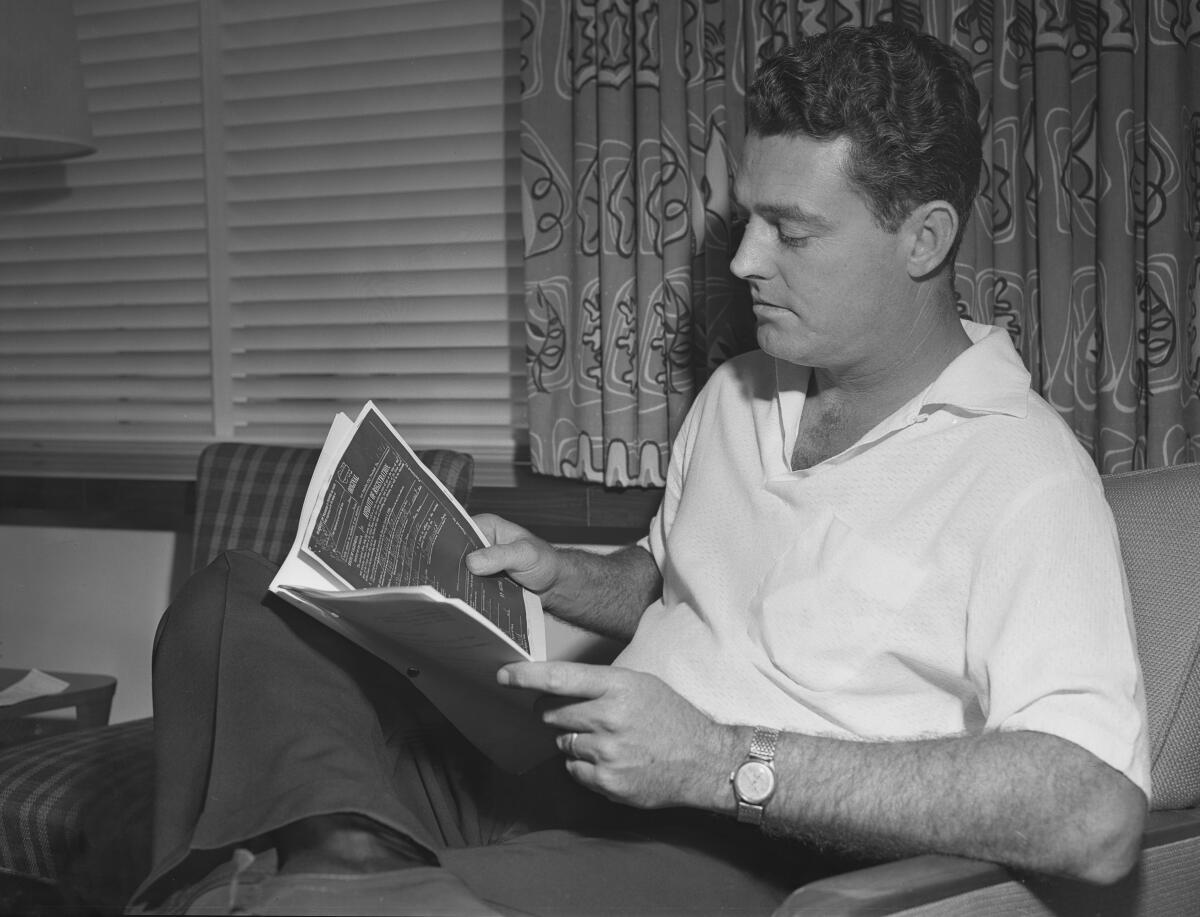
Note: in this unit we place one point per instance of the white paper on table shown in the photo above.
(35, 684)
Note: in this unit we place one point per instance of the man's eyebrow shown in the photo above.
(789, 212)
(793, 214)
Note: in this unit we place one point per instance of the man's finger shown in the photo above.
(497, 529)
(563, 679)
(517, 557)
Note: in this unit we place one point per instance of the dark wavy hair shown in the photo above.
(905, 101)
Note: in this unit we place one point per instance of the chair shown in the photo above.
(1158, 520)
(75, 809)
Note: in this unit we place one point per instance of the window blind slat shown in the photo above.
(106, 270)
(317, 186)
(82, 389)
(348, 287)
(495, 229)
(91, 291)
(445, 307)
(377, 336)
(420, 433)
(57, 318)
(93, 223)
(415, 205)
(171, 422)
(462, 386)
(382, 364)
(62, 252)
(296, 156)
(133, 341)
(157, 365)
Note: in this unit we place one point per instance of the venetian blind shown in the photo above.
(343, 227)
(104, 310)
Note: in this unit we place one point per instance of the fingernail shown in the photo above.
(503, 677)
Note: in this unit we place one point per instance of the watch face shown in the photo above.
(754, 782)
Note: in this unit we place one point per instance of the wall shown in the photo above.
(86, 600)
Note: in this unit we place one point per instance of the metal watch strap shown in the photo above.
(762, 744)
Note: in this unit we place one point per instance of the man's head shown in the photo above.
(856, 177)
(905, 102)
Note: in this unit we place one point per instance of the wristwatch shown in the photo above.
(754, 779)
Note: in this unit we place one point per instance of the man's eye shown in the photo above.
(792, 241)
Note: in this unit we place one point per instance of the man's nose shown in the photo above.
(747, 261)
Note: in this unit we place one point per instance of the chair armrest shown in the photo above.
(1168, 873)
(890, 887)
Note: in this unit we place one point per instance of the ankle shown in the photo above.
(343, 843)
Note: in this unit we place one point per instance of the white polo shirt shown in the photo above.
(955, 571)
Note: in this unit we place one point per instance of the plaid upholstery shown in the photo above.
(249, 496)
(75, 808)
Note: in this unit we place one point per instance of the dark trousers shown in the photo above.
(264, 716)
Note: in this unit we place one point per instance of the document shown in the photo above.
(380, 557)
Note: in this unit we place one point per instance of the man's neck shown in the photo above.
(840, 408)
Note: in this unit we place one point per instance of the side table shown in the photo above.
(90, 695)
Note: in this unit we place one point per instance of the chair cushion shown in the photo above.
(1156, 511)
(249, 495)
(75, 811)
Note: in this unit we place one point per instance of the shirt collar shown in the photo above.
(986, 378)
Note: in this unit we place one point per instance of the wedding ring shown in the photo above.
(571, 737)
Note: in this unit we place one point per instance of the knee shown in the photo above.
(201, 604)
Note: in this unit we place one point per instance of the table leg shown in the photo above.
(94, 713)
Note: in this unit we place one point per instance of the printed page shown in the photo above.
(384, 520)
(379, 557)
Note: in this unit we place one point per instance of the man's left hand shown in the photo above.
(628, 736)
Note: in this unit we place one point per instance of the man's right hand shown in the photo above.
(602, 592)
(531, 561)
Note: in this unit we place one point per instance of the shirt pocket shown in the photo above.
(833, 607)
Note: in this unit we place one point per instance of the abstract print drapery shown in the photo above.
(1084, 244)
(624, 134)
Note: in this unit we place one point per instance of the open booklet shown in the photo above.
(379, 557)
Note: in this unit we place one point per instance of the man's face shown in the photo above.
(829, 285)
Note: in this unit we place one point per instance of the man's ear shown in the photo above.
(930, 230)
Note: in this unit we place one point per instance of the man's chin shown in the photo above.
(770, 343)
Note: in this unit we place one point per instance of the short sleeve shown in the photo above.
(1050, 640)
(655, 539)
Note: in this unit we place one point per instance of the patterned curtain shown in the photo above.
(1085, 243)
(625, 135)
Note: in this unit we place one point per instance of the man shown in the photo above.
(883, 591)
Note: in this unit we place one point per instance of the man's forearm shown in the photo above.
(605, 593)
(1028, 800)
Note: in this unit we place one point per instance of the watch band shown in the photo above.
(763, 742)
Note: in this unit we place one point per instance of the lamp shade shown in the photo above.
(43, 108)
